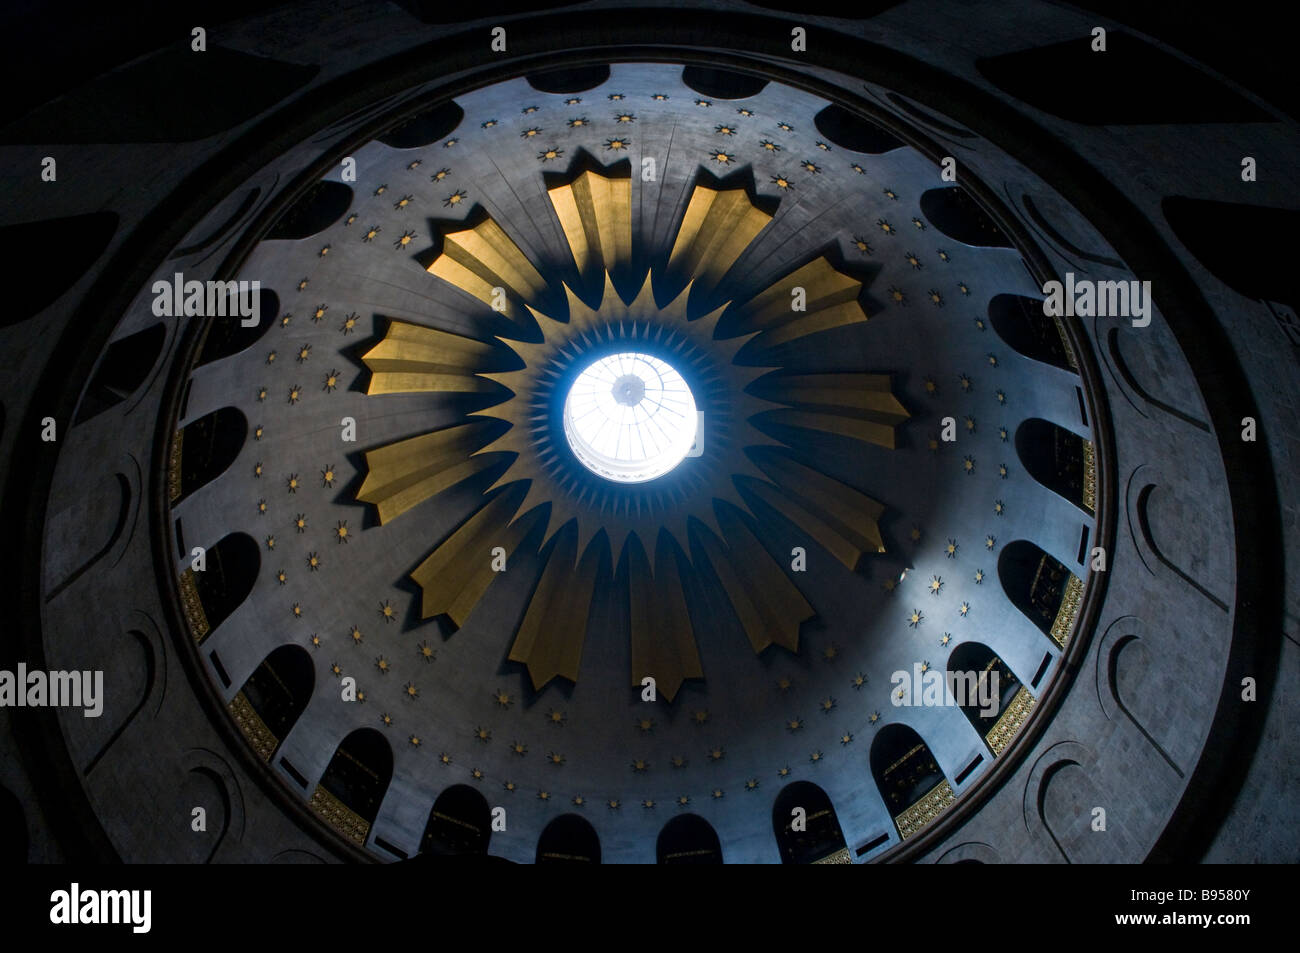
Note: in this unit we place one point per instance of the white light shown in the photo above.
(630, 417)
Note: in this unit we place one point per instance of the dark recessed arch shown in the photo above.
(1035, 582)
(955, 212)
(569, 839)
(39, 277)
(569, 79)
(357, 778)
(208, 446)
(316, 209)
(227, 334)
(988, 685)
(722, 83)
(424, 128)
(688, 839)
(459, 824)
(1020, 322)
(1057, 458)
(821, 840)
(850, 131)
(906, 772)
(230, 569)
(278, 692)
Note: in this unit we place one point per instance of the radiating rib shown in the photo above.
(831, 302)
(717, 227)
(550, 638)
(840, 518)
(859, 406)
(404, 474)
(414, 359)
(595, 212)
(457, 573)
(663, 641)
(479, 259)
(767, 604)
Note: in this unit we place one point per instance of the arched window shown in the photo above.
(123, 368)
(1059, 459)
(230, 569)
(203, 449)
(988, 693)
(953, 211)
(319, 207)
(909, 778)
(568, 839)
(350, 792)
(1020, 322)
(807, 830)
(270, 702)
(460, 823)
(227, 334)
(688, 839)
(1041, 587)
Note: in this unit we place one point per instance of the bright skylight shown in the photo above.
(630, 417)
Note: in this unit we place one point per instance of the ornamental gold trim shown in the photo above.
(1089, 476)
(1009, 722)
(1065, 340)
(840, 856)
(192, 606)
(174, 467)
(931, 804)
(253, 727)
(1069, 609)
(339, 816)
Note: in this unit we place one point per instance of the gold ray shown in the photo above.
(477, 260)
(860, 406)
(767, 604)
(840, 518)
(550, 638)
(595, 212)
(717, 227)
(408, 472)
(831, 302)
(457, 573)
(663, 641)
(414, 359)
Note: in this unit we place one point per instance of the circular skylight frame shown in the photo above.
(630, 417)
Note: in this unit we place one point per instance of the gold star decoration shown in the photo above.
(444, 759)
(415, 164)
(488, 124)
(387, 719)
(700, 716)
(383, 664)
(947, 637)
(859, 680)
(723, 157)
(723, 129)
(861, 244)
(751, 784)
(415, 741)
(270, 357)
(717, 794)
(411, 690)
(625, 118)
(810, 167)
(968, 464)
(827, 705)
(970, 424)
(999, 507)
(548, 154)
(356, 636)
(794, 724)
(331, 381)
(509, 786)
(341, 531)
(336, 669)
(683, 800)
(703, 102)
(483, 735)
(281, 577)
(979, 577)
(770, 146)
(381, 190)
(951, 549)
(781, 182)
(964, 609)
(920, 225)
(858, 169)
(261, 507)
(989, 541)
(815, 757)
(785, 127)
(916, 534)
(300, 522)
(295, 393)
(577, 122)
(449, 143)
(270, 542)
(965, 382)
(677, 761)
(936, 299)
(616, 144)
(405, 239)
(351, 218)
(261, 395)
(455, 198)
(555, 758)
(426, 651)
(614, 803)
(874, 717)
(915, 619)
(717, 754)
(646, 724)
(476, 774)
(579, 800)
(324, 251)
(846, 738)
(993, 360)
(313, 562)
(936, 583)
(440, 175)
(784, 684)
(285, 319)
(783, 771)
(648, 803)
(314, 640)
(519, 748)
(943, 255)
(556, 717)
(640, 766)
(387, 611)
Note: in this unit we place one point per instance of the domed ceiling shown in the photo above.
(425, 529)
(653, 441)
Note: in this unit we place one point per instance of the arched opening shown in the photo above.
(227, 334)
(688, 839)
(806, 827)
(460, 823)
(1059, 459)
(569, 839)
(569, 79)
(123, 368)
(354, 784)
(909, 778)
(210, 596)
(323, 204)
(955, 212)
(1041, 587)
(988, 693)
(206, 447)
(424, 128)
(270, 702)
(722, 83)
(850, 131)
(1020, 322)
